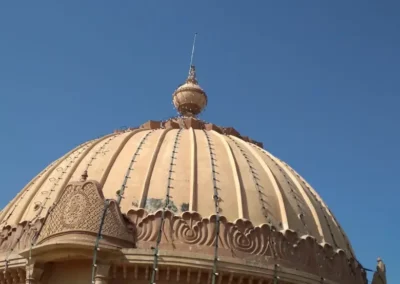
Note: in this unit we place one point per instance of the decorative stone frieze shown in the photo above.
(14, 239)
(240, 239)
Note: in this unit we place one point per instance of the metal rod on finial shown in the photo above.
(192, 55)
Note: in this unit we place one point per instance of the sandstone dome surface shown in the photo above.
(252, 184)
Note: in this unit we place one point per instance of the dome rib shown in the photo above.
(166, 174)
(150, 170)
(89, 161)
(128, 172)
(235, 174)
(246, 214)
(330, 233)
(193, 172)
(277, 190)
(204, 177)
(343, 233)
(57, 185)
(32, 192)
(250, 167)
(117, 153)
(42, 175)
(298, 202)
(327, 235)
(344, 243)
(226, 181)
(315, 217)
(15, 202)
(95, 157)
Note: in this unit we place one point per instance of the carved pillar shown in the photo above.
(3, 277)
(102, 274)
(15, 277)
(21, 276)
(33, 273)
(7, 277)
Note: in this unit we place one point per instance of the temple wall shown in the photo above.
(71, 272)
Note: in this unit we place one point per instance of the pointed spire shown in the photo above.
(192, 55)
(192, 69)
(190, 99)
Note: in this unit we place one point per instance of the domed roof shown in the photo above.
(194, 190)
(193, 159)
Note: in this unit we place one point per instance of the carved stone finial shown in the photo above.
(380, 273)
(190, 99)
(84, 176)
(192, 75)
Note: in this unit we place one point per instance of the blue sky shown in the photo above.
(316, 81)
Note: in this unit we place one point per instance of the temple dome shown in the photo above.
(252, 184)
(172, 196)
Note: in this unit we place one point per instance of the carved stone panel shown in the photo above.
(15, 239)
(79, 210)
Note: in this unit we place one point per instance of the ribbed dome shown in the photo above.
(251, 183)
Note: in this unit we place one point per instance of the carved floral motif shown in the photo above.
(75, 209)
(14, 239)
(264, 244)
(80, 209)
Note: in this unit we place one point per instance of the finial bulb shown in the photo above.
(190, 99)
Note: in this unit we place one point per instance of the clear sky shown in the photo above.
(317, 82)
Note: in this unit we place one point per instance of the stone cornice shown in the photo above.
(238, 268)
